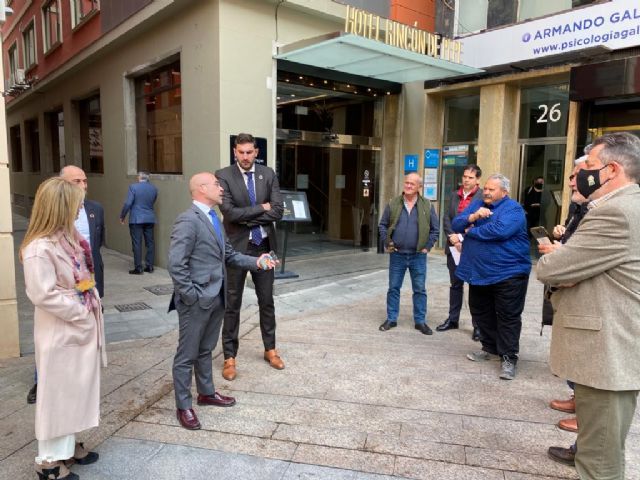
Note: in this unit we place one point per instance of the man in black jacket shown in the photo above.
(460, 199)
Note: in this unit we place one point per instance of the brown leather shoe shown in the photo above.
(568, 406)
(216, 400)
(562, 455)
(569, 424)
(229, 369)
(188, 419)
(274, 359)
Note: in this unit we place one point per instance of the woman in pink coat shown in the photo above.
(68, 328)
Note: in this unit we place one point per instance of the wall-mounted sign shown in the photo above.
(369, 25)
(410, 163)
(455, 155)
(614, 25)
(431, 158)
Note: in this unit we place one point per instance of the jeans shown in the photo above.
(417, 265)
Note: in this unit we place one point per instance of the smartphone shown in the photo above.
(541, 235)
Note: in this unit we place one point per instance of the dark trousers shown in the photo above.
(456, 293)
(497, 311)
(137, 231)
(263, 281)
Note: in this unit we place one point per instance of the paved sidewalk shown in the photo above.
(353, 403)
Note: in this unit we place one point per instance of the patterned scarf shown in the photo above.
(79, 252)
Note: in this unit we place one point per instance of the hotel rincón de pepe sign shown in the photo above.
(368, 25)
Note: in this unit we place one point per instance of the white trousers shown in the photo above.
(59, 448)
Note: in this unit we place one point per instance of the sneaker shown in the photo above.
(508, 368)
(479, 356)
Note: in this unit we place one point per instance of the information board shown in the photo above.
(296, 207)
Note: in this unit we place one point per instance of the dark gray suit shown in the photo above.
(239, 217)
(197, 259)
(95, 216)
(456, 286)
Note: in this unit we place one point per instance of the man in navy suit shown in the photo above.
(90, 224)
(251, 203)
(142, 218)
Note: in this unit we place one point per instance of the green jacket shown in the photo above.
(424, 218)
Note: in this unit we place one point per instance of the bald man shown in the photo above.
(198, 256)
(90, 222)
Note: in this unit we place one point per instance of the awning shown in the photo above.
(356, 55)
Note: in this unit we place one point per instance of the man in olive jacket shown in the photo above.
(596, 332)
(408, 229)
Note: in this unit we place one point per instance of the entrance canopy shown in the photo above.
(366, 57)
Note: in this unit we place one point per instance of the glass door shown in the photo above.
(544, 161)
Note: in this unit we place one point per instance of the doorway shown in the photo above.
(331, 172)
(543, 159)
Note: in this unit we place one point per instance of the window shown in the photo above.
(81, 9)
(543, 111)
(32, 144)
(51, 24)
(91, 134)
(55, 123)
(29, 43)
(13, 63)
(159, 120)
(16, 148)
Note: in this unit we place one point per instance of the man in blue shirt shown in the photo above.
(495, 263)
(408, 229)
(139, 205)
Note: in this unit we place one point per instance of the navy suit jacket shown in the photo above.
(95, 215)
(139, 203)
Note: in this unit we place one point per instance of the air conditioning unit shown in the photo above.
(19, 78)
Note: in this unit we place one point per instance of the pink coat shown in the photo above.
(69, 343)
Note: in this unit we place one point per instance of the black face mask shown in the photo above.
(588, 181)
(539, 184)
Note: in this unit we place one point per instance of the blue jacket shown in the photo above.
(139, 203)
(495, 248)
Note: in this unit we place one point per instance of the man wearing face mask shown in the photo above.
(532, 199)
(595, 340)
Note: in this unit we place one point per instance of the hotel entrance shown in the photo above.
(329, 140)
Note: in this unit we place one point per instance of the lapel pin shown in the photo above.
(260, 177)
(91, 215)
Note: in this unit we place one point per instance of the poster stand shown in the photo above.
(296, 209)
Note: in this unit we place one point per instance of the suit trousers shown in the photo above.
(604, 417)
(198, 332)
(137, 231)
(497, 310)
(456, 292)
(263, 281)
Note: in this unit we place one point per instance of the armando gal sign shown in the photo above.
(365, 24)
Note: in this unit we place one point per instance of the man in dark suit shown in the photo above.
(139, 205)
(90, 224)
(198, 256)
(460, 199)
(251, 203)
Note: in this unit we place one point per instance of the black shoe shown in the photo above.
(135, 271)
(562, 455)
(475, 336)
(424, 328)
(387, 325)
(33, 394)
(447, 325)
(148, 269)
